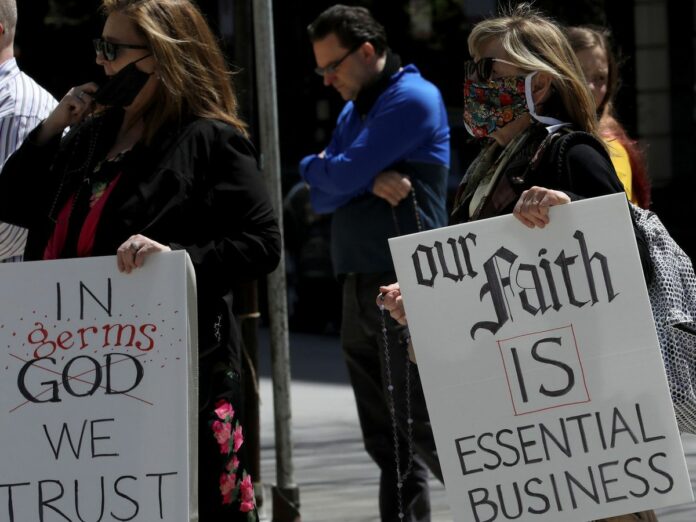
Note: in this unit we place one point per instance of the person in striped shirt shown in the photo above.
(23, 105)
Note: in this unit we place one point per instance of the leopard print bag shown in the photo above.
(672, 292)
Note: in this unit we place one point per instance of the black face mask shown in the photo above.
(121, 89)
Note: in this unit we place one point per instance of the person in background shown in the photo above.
(383, 174)
(23, 104)
(525, 99)
(599, 64)
(157, 159)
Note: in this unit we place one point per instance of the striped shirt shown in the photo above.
(23, 105)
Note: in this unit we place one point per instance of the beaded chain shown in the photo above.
(419, 224)
(401, 476)
(94, 129)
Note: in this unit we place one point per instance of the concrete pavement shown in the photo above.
(337, 480)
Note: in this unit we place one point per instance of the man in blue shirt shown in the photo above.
(383, 174)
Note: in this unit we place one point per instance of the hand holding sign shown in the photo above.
(132, 252)
(532, 209)
(390, 298)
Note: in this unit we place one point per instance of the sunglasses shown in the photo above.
(483, 69)
(332, 67)
(109, 50)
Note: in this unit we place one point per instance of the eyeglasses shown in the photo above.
(483, 69)
(109, 49)
(332, 67)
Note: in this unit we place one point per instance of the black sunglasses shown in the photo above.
(109, 50)
(483, 69)
(331, 68)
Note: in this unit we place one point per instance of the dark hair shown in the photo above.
(351, 25)
(584, 38)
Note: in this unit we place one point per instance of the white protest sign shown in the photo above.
(98, 401)
(541, 367)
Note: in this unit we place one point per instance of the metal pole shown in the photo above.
(286, 493)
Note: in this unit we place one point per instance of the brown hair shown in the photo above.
(194, 77)
(584, 38)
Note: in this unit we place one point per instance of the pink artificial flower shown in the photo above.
(246, 489)
(227, 486)
(233, 464)
(224, 410)
(238, 438)
(222, 432)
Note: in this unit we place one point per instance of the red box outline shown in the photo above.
(582, 370)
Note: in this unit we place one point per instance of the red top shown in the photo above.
(85, 242)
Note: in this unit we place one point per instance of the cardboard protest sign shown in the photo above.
(541, 367)
(98, 402)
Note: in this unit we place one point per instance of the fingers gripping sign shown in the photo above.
(532, 208)
(390, 300)
(132, 252)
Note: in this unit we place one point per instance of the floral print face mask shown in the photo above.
(492, 105)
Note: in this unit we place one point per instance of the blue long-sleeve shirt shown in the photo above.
(406, 129)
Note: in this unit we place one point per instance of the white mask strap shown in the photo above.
(530, 103)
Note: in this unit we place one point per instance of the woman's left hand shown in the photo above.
(390, 298)
(132, 253)
(532, 208)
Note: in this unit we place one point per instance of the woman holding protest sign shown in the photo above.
(526, 100)
(157, 159)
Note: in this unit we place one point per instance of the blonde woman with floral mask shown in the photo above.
(527, 102)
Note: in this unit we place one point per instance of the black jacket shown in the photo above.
(571, 162)
(196, 187)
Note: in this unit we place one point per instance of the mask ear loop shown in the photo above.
(141, 58)
(530, 103)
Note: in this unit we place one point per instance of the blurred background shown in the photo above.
(656, 103)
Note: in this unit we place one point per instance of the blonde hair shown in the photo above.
(194, 77)
(533, 42)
